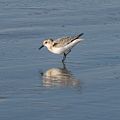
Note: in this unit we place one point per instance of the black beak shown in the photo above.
(41, 47)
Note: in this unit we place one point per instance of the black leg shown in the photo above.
(68, 52)
(64, 57)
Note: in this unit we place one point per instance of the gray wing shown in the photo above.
(65, 40)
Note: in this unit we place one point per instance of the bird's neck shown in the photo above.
(50, 46)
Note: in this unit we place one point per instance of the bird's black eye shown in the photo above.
(46, 42)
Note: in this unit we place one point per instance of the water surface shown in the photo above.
(35, 85)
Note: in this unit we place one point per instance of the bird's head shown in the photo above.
(47, 43)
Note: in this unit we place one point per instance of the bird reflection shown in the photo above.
(59, 77)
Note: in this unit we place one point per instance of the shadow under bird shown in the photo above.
(62, 45)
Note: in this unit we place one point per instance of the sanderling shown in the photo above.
(62, 45)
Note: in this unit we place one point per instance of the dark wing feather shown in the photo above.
(65, 40)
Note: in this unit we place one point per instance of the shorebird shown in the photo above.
(62, 45)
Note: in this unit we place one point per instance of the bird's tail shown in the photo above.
(77, 37)
(80, 35)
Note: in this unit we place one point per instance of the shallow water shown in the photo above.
(35, 84)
